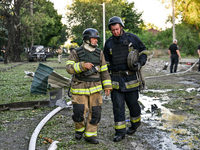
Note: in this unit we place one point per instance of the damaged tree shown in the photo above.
(12, 15)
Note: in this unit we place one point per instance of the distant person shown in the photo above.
(199, 57)
(3, 50)
(174, 55)
(59, 51)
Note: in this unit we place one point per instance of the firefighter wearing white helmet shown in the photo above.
(124, 76)
(90, 76)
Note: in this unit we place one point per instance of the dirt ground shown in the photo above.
(148, 136)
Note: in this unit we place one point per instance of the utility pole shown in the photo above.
(31, 11)
(173, 20)
(104, 29)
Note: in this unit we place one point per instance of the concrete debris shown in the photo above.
(29, 74)
(190, 90)
(137, 146)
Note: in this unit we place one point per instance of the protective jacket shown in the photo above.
(116, 51)
(88, 84)
(125, 81)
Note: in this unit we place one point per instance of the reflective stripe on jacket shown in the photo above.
(130, 82)
(74, 66)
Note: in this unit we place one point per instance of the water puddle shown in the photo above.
(178, 129)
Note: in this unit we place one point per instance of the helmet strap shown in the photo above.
(120, 32)
(90, 44)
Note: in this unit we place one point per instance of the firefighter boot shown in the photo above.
(119, 137)
(131, 130)
(92, 140)
(78, 135)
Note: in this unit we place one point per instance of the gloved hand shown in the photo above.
(92, 71)
(137, 67)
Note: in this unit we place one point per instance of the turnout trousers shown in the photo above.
(59, 58)
(87, 113)
(199, 65)
(131, 99)
(174, 63)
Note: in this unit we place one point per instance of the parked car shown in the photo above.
(49, 52)
(37, 52)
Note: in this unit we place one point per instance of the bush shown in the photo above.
(148, 39)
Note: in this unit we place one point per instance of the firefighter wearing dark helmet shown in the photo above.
(124, 79)
(90, 76)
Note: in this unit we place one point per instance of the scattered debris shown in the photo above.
(49, 140)
(165, 66)
(190, 90)
(153, 107)
(29, 74)
(53, 145)
(45, 78)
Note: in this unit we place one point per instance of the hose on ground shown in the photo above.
(174, 73)
(34, 136)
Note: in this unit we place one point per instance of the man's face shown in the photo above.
(94, 40)
(115, 29)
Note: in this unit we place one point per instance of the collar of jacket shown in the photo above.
(87, 47)
(117, 39)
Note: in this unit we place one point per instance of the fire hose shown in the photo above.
(62, 104)
(174, 73)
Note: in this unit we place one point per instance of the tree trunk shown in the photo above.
(17, 46)
(10, 39)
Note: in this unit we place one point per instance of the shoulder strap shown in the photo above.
(80, 52)
(97, 52)
(126, 39)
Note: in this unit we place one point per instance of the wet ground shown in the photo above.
(174, 125)
(162, 128)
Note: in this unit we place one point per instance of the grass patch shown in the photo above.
(16, 88)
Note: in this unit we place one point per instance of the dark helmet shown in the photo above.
(90, 33)
(114, 20)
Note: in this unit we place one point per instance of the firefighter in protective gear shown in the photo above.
(90, 76)
(124, 79)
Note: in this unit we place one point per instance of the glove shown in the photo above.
(93, 70)
(137, 67)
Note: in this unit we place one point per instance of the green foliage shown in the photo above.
(188, 10)
(187, 32)
(133, 20)
(44, 23)
(148, 39)
(60, 39)
(48, 21)
(188, 38)
(164, 38)
(89, 14)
